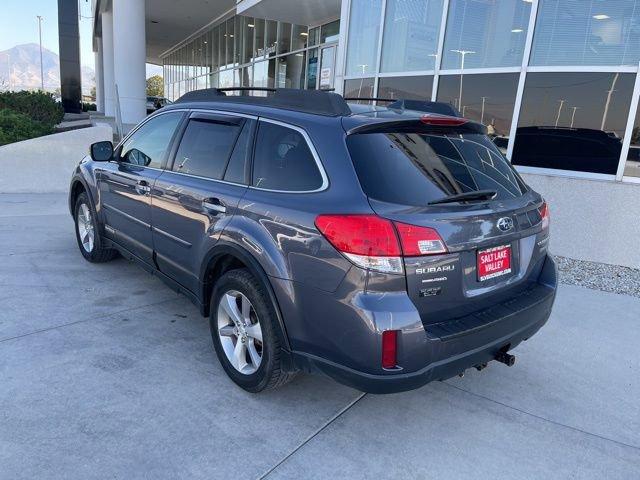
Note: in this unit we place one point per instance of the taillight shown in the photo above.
(389, 349)
(376, 243)
(544, 213)
(417, 241)
(367, 240)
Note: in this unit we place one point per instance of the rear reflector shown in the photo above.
(417, 241)
(443, 120)
(544, 213)
(389, 349)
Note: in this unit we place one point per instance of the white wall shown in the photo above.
(592, 219)
(45, 164)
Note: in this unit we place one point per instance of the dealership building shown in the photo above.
(556, 82)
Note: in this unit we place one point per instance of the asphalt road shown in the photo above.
(106, 373)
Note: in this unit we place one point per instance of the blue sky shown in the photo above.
(18, 25)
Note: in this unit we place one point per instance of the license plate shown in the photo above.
(494, 262)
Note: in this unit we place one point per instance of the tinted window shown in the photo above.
(205, 148)
(236, 170)
(573, 121)
(283, 160)
(148, 145)
(414, 169)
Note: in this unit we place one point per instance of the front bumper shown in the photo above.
(449, 349)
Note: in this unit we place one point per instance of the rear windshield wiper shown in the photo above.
(468, 196)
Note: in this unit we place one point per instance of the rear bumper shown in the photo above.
(447, 352)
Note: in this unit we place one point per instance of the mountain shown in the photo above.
(23, 61)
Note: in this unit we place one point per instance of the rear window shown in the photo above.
(417, 168)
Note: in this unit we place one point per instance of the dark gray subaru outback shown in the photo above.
(383, 247)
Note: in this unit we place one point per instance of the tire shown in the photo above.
(88, 234)
(232, 289)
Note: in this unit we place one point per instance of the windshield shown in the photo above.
(417, 168)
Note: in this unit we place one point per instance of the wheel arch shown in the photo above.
(225, 256)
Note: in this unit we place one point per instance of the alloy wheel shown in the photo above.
(85, 228)
(239, 332)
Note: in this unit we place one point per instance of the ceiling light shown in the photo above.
(304, 34)
(517, 30)
(528, 1)
(250, 25)
(601, 16)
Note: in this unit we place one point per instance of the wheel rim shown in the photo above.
(85, 228)
(239, 332)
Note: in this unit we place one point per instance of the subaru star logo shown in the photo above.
(505, 224)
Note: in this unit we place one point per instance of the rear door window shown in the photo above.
(206, 146)
(417, 168)
(283, 160)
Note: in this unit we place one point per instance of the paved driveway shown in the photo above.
(106, 373)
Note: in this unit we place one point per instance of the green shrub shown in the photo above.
(88, 107)
(39, 106)
(15, 127)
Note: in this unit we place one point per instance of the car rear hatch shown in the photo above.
(447, 176)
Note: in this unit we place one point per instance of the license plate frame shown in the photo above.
(493, 263)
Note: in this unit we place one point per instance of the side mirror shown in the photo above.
(102, 151)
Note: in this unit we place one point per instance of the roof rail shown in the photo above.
(308, 101)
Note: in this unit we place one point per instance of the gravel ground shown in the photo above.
(599, 276)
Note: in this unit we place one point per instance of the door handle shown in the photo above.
(142, 187)
(214, 205)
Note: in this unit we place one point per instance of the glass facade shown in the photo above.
(245, 51)
(488, 33)
(411, 30)
(587, 32)
(573, 121)
(568, 110)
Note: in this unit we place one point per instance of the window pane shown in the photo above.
(284, 38)
(330, 32)
(148, 145)
(230, 35)
(410, 40)
(258, 50)
(415, 168)
(225, 79)
(314, 36)
(486, 98)
(573, 121)
(360, 88)
(291, 71)
(238, 163)
(247, 39)
(283, 160)
(205, 148)
(587, 32)
(213, 48)
(364, 32)
(299, 37)
(272, 37)
(312, 69)
(413, 88)
(632, 167)
(238, 37)
(491, 32)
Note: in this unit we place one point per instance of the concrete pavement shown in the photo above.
(106, 373)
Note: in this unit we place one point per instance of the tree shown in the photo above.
(155, 86)
(92, 93)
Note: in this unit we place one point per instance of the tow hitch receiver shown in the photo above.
(506, 358)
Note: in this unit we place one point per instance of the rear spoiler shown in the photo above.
(424, 124)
